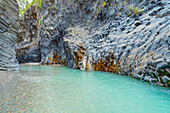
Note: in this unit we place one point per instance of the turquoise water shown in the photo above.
(44, 89)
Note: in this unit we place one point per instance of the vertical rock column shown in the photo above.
(8, 34)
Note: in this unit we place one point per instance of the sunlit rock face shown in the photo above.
(8, 34)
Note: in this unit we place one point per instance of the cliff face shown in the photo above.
(27, 44)
(8, 34)
(108, 36)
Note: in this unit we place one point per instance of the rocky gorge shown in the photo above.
(95, 35)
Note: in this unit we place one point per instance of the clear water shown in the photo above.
(43, 89)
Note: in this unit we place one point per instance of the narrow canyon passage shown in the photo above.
(128, 37)
(84, 56)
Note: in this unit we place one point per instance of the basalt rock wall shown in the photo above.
(8, 33)
(117, 40)
(110, 36)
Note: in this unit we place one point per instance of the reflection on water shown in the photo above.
(43, 89)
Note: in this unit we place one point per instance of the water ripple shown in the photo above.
(42, 89)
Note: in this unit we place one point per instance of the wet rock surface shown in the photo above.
(110, 38)
(8, 34)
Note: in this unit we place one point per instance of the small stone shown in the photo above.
(137, 23)
(167, 55)
(156, 62)
(157, 57)
(165, 79)
(162, 65)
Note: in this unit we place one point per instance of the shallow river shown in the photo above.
(45, 89)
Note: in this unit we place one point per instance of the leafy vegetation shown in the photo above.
(40, 22)
(25, 5)
(22, 5)
(135, 10)
(104, 4)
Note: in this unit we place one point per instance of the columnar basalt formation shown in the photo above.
(135, 45)
(108, 36)
(8, 34)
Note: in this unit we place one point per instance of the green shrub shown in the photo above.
(37, 3)
(104, 4)
(40, 22)
(135, 10)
